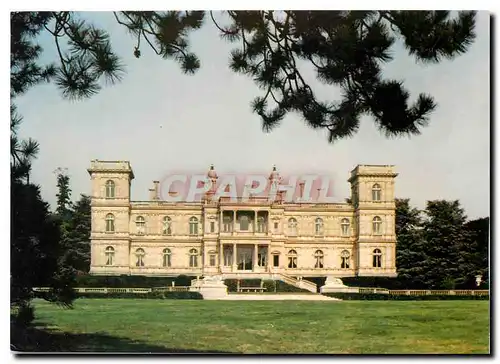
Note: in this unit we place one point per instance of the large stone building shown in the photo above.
(253, 238)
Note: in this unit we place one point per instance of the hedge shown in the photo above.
(126, 281)
(397, 283)
(388, 297)
(149, 295)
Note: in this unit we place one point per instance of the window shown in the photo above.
(167, 257)
(262, 256)
(344, 224)
(261, 224)
(318, 226)
(377, 225)
(193, 258)
(228, 256)
(110, 255)
(244, 223)
(228, 224)
(276, 260)
(344, 259)
(276, 226)
(110, 223)
(110, 189)
(292, 226)
(376, 192)
(140, 224)
(318, 255)
(292, 259)
(193, 226)
(167, 226)
(212, 226)
(212, 258)
(139, 253)
(377, 258)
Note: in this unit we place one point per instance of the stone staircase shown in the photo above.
(299, 283)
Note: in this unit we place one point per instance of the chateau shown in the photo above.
(254, 238)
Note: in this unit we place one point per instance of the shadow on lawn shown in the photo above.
(41, 339)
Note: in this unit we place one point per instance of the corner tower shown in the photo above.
(110, 214)
(372, 195)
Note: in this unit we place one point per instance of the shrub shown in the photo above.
(270, 285)
(23, 315)
(231, 285)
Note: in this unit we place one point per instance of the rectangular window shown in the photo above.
(244, 223)
(275, 226)
(276, 260)
(212, 226)
(212, 260)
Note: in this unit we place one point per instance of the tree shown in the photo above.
(64, 195)
(411, 255)
(345, 48)
(444, 235)
(77, 254)
(474, 253)
(35, 236)
(22, 152)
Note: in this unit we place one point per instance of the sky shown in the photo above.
(162, 121)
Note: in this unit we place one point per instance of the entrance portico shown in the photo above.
(244, 257)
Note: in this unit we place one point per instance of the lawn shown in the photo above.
(348, 327)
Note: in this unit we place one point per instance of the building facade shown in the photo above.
(256, 237)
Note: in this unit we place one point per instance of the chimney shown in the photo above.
(156, 190)
(151, 194)
(301, 190)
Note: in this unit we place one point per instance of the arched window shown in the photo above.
(261, 224)
(212, 256)
(193, 258)
(110, 189)
(167, 226)
(140, 224)
(110, 255)
(292, 259)
(139, 253)
(193, 226)
(110, 223)
(344, 259)
(377, 225)
(319, 256)
(376, 192)
(292, 226)
(377, 258)
(318, 226)
(167, 257)
(344, 224)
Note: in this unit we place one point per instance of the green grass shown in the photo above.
(353, 327)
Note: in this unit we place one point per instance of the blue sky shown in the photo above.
(206, 119)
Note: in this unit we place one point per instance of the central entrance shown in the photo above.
(244, 260)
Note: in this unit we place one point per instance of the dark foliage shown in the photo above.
(124, 281)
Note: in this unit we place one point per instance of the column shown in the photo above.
(234, 220)
(269, 258)
(221, 256)
(255, 256)
(221, 221)
(255, 222)
(235, 256)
